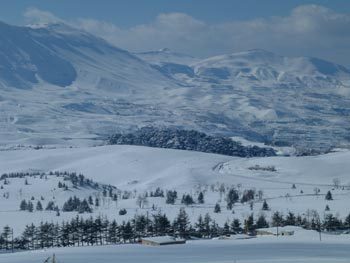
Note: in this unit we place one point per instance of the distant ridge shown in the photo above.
(61, 85)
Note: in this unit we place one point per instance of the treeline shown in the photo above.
(232, 196)
(101, 231)
(188, 140)
(72, 204)
(77, 180)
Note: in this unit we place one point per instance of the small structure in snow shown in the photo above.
(264, 232)
(287, 233)
(161, 241)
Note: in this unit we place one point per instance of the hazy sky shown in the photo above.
(202, 27)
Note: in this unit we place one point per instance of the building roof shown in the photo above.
(162, 239)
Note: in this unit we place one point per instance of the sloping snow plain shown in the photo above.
(139, 169)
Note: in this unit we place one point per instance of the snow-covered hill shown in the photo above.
(138, 169)
(60, 85)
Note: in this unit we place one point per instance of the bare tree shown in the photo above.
(142, 201)
(336, 182)
(317, 190)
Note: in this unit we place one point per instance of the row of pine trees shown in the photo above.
(101, 231)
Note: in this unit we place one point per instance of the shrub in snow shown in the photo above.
(122, 212)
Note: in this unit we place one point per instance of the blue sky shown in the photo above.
(202, 27)
(127, 13)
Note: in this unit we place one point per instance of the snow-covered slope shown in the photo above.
(149, 167)
(293, 100)
(139, 169)
(62, 56)
(165, 55)
(60, 85)
(120, 165)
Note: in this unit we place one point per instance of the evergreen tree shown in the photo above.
(23, 206)
(127, 232)
(290, 219)
(331, 222)
(261, 222)
(200, 198)
(265, 206)
(50, 206)
(226, 229)
(91, 202)
(28, 236)
(187, 199)
(231, 198)
(181, 223)
(249, 224)
(171, 197)
(84, 207)
(112, 232)
(39, 206)
(217, 208)
(200, 226)
(207, 228)
(329, 196)
(161, 224)
(214, 229)
(248, 195)
(6, 235)
(30, 206)
(236, 226)
(158, 193)
(347, 221)
(277, 219)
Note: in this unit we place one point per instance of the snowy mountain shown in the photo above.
(60, 85)
(58, 82)
(295, 100)
(60, 55)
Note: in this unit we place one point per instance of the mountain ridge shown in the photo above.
(61, 85)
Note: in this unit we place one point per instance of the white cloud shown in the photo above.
(309, 30)
(36, 16)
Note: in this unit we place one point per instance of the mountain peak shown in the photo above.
(58, 27)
